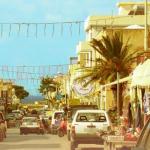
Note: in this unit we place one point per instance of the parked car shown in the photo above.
(11, 120)
(143, 142)
(85, 125)
(71, 112)
(56, 120)
(31, 125)
(18, 114)
(3, 126)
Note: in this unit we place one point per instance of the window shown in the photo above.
(91, 117)
(85, 59)
(58, 115)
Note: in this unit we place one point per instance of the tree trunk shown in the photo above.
(114, 90)
(120, 100)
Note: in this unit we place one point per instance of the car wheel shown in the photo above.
(52, 131)
(5, 135)
(41, 131)
(60, 133)
(1, 136)
(73, 145)
(68, 135)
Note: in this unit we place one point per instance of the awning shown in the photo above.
(141, 74)
(134, 27)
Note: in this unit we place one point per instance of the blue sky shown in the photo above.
(26, 49)
(47, 50)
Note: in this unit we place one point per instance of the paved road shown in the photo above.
(15, 141)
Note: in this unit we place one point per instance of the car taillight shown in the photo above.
(21, 122)
(73, 130)
(109, 128)
(40, 124)
(52, 125)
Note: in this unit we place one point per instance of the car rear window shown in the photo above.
(91, 117)
(58, 115)
(30, 120)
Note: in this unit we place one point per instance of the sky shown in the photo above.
(45, 50)
(39, 45)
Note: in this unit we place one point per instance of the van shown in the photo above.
(56, 119)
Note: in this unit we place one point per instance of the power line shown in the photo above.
(30, 76)
(71, 25)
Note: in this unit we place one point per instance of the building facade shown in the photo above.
(130, 21)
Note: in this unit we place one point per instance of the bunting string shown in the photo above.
(53, 28)
(30, 76)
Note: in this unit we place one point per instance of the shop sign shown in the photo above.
(147, 102)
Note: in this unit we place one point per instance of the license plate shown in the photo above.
(90, 130)
(91, 126)
(30, 123)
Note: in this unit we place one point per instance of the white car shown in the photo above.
(31, 125)
(85, 125)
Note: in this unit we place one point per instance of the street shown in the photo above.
(15, 141)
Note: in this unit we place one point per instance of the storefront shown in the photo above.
(140, 88)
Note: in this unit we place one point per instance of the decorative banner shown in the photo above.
(40, 29)
(80, 89)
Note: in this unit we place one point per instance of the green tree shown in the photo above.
(114, 56)
(20, 92)
(48, 86)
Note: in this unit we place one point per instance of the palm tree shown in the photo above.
(47, 86)
(114, 57)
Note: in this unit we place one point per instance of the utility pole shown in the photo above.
(146, 28)
(118, 106)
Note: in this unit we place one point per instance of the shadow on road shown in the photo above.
(91, 148)
(31, 146)
(21, 138)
